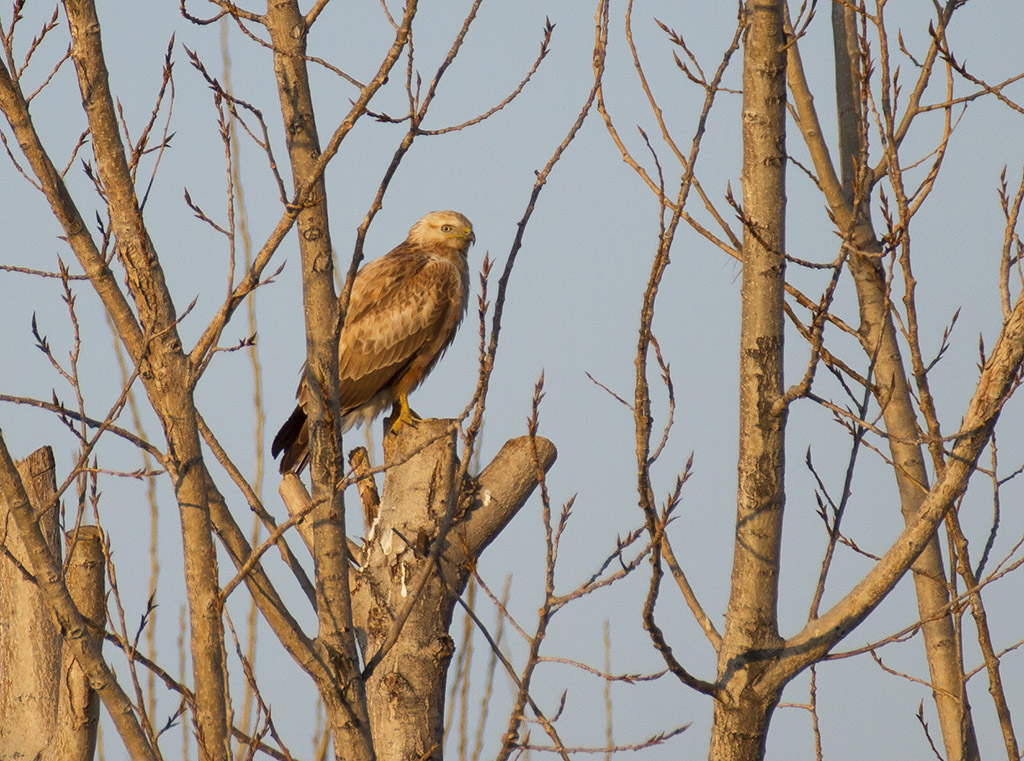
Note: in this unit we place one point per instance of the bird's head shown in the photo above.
(443, 228)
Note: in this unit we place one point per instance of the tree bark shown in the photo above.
(405, 692)
(345, 700)
(78, 639)
(78, 707)
(165, 372)
(743, 706)
(48, 710)
(878, 337)
(29, 643)
(406, 688)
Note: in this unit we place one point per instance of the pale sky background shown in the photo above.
(573, 308)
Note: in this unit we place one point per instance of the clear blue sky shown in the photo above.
(573, 308)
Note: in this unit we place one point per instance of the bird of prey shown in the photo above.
(403, 314)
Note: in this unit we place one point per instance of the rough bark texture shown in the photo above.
(405, 691)
(78, 707)
(878, 336)
(743, 706)
(344, 697)
(48, 708)
(29, 643)
(166, 374)
(892, 390)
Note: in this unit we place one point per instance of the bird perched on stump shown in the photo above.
(404, 311)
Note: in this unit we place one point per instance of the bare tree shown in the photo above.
(48, 708)
(383, 608)
(393, 597)
(866, 172)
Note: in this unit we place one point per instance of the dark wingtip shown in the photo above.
(287, 438)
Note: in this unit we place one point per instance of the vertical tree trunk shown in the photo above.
(345, 699)
(48, 710)
(29, 643)
(165, 372)
(405, 688)
(78, 707)
(878, 337)
(405, 692)
(945, 667)
(743, 706)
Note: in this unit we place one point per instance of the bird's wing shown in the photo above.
(401, 306)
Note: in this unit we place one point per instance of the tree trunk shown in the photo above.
(29, 643)
(405, 688)
(48, 710)
(405, 692)
(345, 699)
(741, 725)
(892, 390)
(78, 706)
(743, 707)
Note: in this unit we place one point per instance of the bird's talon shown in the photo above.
(403, 415)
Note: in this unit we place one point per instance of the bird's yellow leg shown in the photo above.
(405, 415)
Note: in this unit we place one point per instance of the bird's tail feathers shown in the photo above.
(293, 440)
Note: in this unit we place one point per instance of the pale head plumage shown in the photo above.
(402, 316)
(447, 229)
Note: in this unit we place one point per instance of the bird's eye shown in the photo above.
(447, 229)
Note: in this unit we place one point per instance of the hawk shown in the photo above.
(403, 314)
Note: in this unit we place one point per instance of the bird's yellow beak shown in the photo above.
(469, 235)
